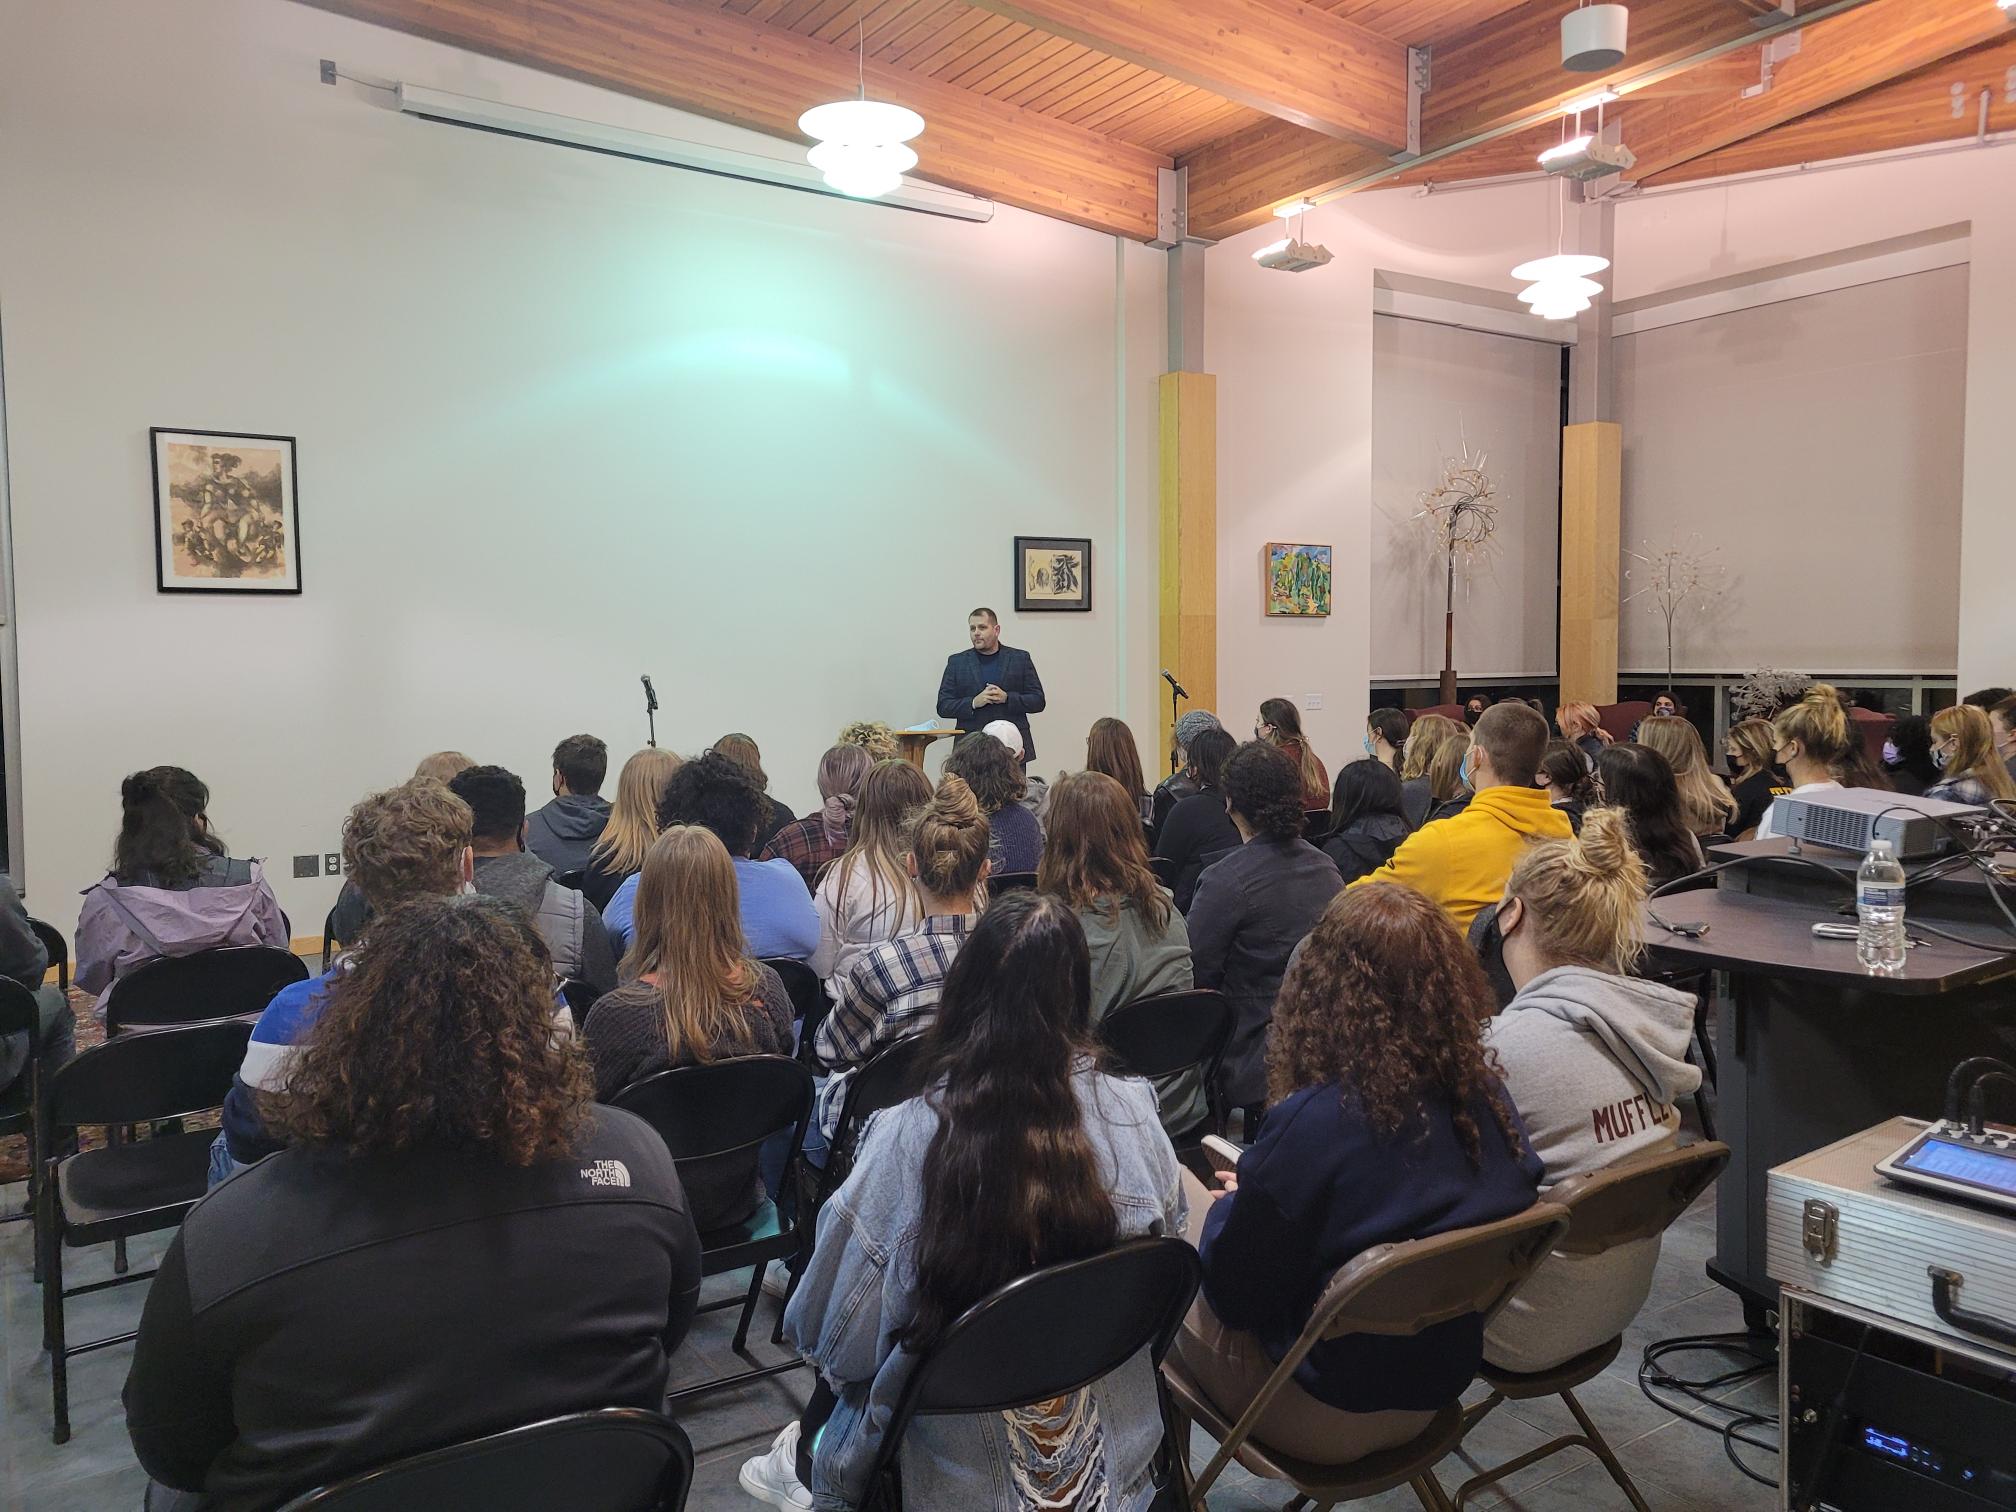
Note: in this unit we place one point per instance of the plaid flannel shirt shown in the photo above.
(891, 994)
(804, 844)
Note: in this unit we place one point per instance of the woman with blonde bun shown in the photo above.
(1963, 748)
(1425, 737)
(1704, 797)
(1595, 1060)
(1813, 743)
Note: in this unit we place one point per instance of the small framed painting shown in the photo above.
(226, 519)
(1052, 572)
(1298, 580)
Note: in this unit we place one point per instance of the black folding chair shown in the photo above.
(58, 948)
(1316, 825)
(20, 1013)
(885, 1079)
(710, 1116)
(809, 1002)
(235, 982)
(1050, 1334)
(580, 996)
(330, 944)
(620, 1459)
(571, 880)
(1007, 882)
(1167, 869)
(1171, 1032)
(124, 1189)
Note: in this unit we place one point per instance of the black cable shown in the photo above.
(1653, 1379)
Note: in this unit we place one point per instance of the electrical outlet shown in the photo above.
(332, 864)
(1312, 702)
(304, 866)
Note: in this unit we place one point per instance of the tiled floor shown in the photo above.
(1679, 1468)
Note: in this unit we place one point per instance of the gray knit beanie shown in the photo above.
(1193, 724)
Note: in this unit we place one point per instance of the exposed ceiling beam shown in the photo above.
(1914, 111)
(713, 63)
(1505, 73)
(1837, 58)
(1287, 58)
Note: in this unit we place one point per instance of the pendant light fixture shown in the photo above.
(1561, 286)
(860, 144)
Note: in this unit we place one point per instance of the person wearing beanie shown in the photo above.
(1181, 783)
(1035, 791)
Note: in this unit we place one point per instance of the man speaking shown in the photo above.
(990, 682)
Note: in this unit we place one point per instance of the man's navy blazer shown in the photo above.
(1014, 674)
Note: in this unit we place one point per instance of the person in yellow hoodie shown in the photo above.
(1462, 862)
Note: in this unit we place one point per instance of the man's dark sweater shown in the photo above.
(318, 1315)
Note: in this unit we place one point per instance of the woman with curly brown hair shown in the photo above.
(450, 1179)
(1388, 1123)
(991, 770)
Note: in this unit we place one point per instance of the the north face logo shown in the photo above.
(607, 1173)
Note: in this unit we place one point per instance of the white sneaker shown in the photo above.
(773, 1477)
(776, 1279)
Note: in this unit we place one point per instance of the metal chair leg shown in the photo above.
(749, 1307)
(116, 1134)
(1428, 1491)
(1600, 1447)
(50, 1244)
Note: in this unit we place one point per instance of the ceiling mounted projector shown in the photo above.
(1585, 158)
(1592, 38)
(1291, 256)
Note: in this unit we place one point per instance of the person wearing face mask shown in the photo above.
(1474, 709)
(1753, 780)
(1907, 755)
(1811, 744)
(1462, 862)
(1963, 748)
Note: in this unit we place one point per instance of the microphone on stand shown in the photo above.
(1176, 691)
(650, 707)
(1181, 691)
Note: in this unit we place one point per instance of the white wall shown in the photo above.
(562, 420)
(1436, 389)
(1816, 443)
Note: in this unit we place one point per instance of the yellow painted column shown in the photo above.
(1592, 475)
(1189, 542)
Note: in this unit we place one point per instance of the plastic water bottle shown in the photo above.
(1879, 908)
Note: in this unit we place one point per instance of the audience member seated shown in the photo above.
(1462, 863)
(618, 854)
(1035, 791)
(1705, 800)
(873, 736)
(347, 919)
(1637, 780)
(867, 896)
(25, 958)
(891, 992)
(1110, 749)
(1449, 790)
(1022, 1154)
(2003, 718)
(1754, 776)
(1963, 748)
(458, 1241)
(1907, 755)
(1667, 706)
(994, 773)
(1386, 737)
(173, 889)
(1474, 707)
(1366, 825)
(1596, 1062)
(1182, 782)
(811, 843)
(412, 841)
(1813, 740)
(1280, 725)
(691, 995)
(1254, 905)
(722, 794)
(1566, 777)
(570, 925)
(1387, 1124)
(1427, 736)
(1985, 699)
(776, 813)
(1198, 830)
(1582, 727)
(563, 832)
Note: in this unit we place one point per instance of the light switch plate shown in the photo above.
(1312, 702)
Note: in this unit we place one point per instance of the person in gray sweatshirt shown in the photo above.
(1596, 1061)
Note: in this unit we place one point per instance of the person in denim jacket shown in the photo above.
(935, 1217)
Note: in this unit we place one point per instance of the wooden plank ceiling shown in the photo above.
(1068, 107)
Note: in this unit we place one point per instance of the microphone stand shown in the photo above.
(650, 710)
(1175, 692)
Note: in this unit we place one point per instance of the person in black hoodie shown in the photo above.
(457, 1240)
(1198, 830)
(563, 832)
(1366, 824)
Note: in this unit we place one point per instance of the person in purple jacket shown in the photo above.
(1386, 1124)
(172, 890)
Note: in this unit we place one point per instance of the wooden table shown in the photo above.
(912, 744)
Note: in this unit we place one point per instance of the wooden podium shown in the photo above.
(913, 743)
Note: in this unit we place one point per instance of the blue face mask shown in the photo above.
(1368, 747)
(1889, 753)
(1465, 770)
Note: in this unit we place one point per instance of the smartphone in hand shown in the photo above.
(1220, 1153)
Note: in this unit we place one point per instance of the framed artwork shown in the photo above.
(226, 519)
(1298, 580)
(1052, 572)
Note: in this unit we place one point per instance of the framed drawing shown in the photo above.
(1052, 572)
(1298, 580)
(226, 519)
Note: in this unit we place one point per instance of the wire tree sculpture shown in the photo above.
(1460, 513)
(1767, 690)
(1674, 579)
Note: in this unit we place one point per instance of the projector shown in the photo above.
(1585, 157)
(1291, 256)
(1849, 818)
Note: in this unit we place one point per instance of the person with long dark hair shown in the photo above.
(173, 888)
(1110, 749)
(1388, 1123)
(1366, 821)
(1907, 755)
(1638, 780)
(1182, 782)
(1386, 737)
(457, 1240)
(1020, 1154)
(1566, 777)
(1280, 725)
(1198, 830)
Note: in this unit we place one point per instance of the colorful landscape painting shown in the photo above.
(1298, 579)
